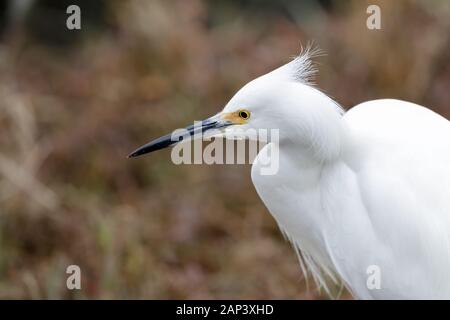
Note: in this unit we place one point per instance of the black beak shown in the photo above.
(175, 137)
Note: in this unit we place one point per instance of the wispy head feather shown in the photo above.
(304, 68)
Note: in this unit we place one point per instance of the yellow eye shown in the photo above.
(244, 114)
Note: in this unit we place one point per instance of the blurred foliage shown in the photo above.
(73, 104)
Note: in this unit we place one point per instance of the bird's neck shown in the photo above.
(318, 134)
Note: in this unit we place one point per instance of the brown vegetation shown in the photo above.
(146, 228)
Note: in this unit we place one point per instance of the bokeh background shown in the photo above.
(73, 104)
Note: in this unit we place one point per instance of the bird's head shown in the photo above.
(281, 100)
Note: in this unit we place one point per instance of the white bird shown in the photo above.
(360, 194)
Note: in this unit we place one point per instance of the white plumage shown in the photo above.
(369, 187)
(384, 201)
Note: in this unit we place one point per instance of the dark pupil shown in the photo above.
(244, 115)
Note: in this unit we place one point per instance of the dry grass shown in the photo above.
(147, 228)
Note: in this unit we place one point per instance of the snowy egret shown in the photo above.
(360, 194)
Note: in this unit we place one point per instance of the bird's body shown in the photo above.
(360, 194)
(384, 202)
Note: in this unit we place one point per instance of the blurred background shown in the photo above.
(74, 103)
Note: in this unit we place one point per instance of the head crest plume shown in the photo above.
(303, 68)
